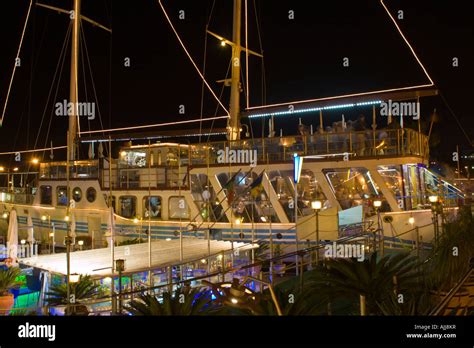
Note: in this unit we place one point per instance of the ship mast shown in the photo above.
(233, 126)
(73, 88)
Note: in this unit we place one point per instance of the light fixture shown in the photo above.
(2, 169)
(168, 239)
(43, 218)
(203, 261)
(23, 241)
(35, 161)
(377, 203)
(51, 234)
(433, 199)
(15, 169)
(135, 220)
(238, 221)
(329, 107)
(222, 43)
(219, 257)
(5, 215)
(123, 153)
(66, 218)
(316, 205)
(411, 220)
(80, 242)
(74, 278)
(234, 300)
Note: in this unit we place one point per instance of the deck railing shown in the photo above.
(379, 143)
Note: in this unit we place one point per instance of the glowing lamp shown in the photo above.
(433, 199)
(316, 205)
(74, 278)
(377, 203)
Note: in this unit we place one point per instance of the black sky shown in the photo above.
(303, 59)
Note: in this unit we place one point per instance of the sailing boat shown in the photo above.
(244, 189)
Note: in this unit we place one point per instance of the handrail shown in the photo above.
(437, 310)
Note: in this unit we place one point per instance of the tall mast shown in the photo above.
(73, 88)
(233, 128)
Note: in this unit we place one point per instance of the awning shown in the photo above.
(97, 262)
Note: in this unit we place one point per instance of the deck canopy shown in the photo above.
(341, 102)
(97, 262)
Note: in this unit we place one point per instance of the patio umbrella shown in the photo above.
(30, 229)
(12, 239)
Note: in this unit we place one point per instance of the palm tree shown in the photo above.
(183, 301)
(84, 289)
(449, 260)
(376, 279)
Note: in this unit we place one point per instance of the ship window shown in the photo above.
(46, 195)
(178, 208)
(392, 176)
(61, 196)
(152, 204)
(128, 206)
(77, 194)
(353, 187)
(132, 158)
(91, 194)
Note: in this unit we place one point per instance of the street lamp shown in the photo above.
(120, 267)
(74, 278)
(80, 243)
(317, 205)
(436, 208)
(377, 204)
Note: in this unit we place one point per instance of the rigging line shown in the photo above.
(155, 125)
(202, 85)
(92, 79)
(81, 50)
(456, 118)
(34, 150)
(14, 66)
(57, 89)
(406, 41)
(62, 56)
(220, 96)
(247, 53)
(204, 66)
(191, 59)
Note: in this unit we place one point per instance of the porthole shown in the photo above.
(91, 194)
(77, 194)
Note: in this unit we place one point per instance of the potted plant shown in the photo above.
(85, 289)
(8, 282)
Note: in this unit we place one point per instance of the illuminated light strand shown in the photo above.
(35, 150)
(191, 59)
(330, 107)
(155, 125)
(14, 66)
(408, 44)
(156, 137)
(339, 97)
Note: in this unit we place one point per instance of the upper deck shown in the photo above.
(171, 162)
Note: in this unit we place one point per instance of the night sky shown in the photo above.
(303, 59)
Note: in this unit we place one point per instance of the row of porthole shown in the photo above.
(91, 194)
